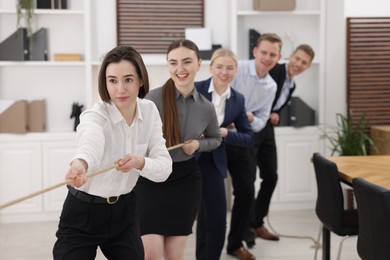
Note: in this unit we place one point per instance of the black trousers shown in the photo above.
(211, 221)
(240, 169)
(84, 226)
(264, 156)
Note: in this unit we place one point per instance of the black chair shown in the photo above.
(373, 204)
(330, 205)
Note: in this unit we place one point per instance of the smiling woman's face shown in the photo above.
(183, 64)
(223, 69)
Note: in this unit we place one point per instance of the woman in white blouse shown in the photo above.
(123, 129)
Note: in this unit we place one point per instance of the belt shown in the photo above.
(91, 198)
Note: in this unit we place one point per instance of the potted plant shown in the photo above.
(349, 138)
(25, 11)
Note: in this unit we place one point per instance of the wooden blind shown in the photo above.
(151, 25)
(368, 68)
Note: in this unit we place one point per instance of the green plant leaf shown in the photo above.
(349, 138)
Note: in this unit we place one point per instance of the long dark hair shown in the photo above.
(171, 128)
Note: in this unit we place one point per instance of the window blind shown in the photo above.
(151, 25)
(368, 68)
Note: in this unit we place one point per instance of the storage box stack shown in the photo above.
(274, 5)
(22, 116)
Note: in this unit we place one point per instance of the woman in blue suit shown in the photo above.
(235, 130)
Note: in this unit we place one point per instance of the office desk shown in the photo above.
(374, 168)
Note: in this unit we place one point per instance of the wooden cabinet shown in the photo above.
(20, 167)
(30, 163)
(296, 185)
(56, 156)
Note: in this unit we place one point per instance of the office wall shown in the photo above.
(354, 8)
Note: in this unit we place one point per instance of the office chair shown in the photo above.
(373, 204)
(330, 203)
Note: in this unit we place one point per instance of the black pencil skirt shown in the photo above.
(169, 208)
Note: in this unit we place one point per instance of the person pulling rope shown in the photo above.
(10, 203)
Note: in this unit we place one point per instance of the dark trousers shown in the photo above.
(211, 222)
(240, 169)
(85, 226)
(264, 156)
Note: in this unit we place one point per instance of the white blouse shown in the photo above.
(104, 137)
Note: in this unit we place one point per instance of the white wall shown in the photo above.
(334, 96)
(354, 8)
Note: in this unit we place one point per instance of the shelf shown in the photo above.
(41, 63)
(46, 12)
(273, 13)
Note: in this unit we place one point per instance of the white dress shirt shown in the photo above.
(219, 101)
(104, 137)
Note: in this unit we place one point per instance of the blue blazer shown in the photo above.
(234, 113)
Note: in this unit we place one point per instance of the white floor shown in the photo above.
(33, 241)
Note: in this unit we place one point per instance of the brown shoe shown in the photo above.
(243, 254)
(265, 234)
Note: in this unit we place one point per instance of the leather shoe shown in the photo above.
(243, 254)
(265, 234)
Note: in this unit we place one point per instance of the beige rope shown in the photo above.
(51, 188)
(316, 244)
(12, 202)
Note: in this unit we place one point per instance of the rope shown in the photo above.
(316, 244)
(55, 186)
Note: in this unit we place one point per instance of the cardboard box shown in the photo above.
(273, 5)
(67, 57)
(13, 116)
(36, 116)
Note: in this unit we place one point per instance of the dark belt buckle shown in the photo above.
(112, 200)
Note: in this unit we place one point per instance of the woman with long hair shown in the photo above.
(167, 210)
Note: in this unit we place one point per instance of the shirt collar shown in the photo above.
(252, 68)
(116, 115)
(226, 93)
(252, 71)
(194, 94)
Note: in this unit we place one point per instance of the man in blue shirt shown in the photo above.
(255, 83)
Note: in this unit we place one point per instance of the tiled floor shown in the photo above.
(33, 241)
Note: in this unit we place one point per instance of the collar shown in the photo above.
(194, 94)
(226, 93)
(116, 115)
(252, 71)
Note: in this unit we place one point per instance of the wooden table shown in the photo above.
(373, 168)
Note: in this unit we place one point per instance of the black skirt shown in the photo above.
(169, 208)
